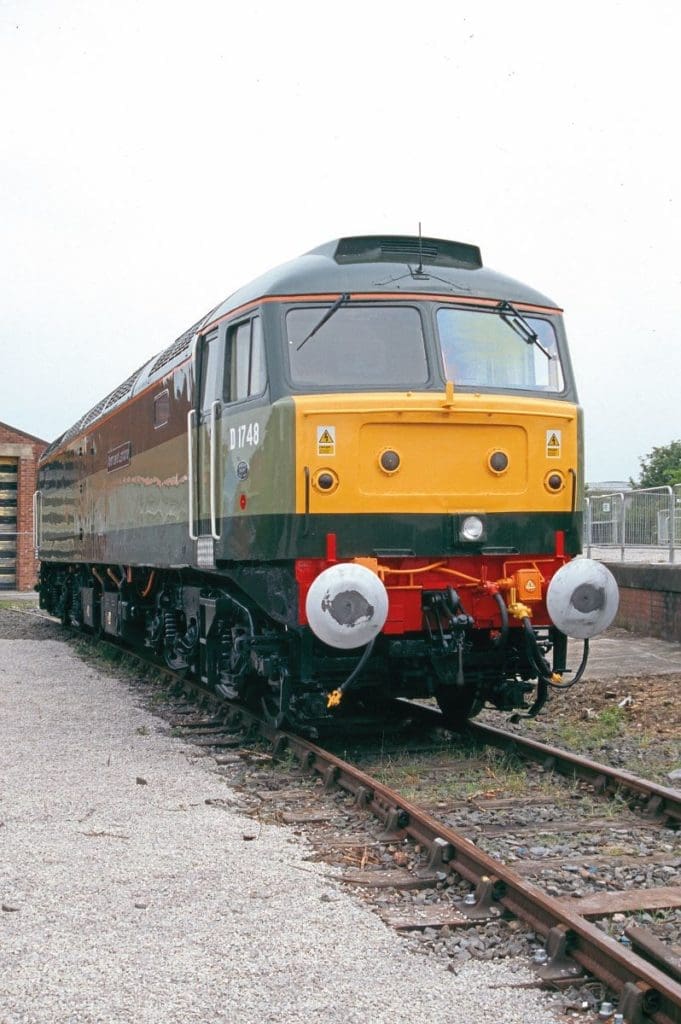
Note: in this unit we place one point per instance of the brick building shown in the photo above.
(19, 454)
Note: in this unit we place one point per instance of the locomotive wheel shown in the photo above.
(274, 702)
(64, 609)
(274, 716)
(176, 662)
(458, 704)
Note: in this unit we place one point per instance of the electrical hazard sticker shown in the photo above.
(326, 441)
(553, 444)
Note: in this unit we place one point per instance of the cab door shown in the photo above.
(205, 476)
(224, 430)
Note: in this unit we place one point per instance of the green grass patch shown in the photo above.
(491, 774)
(609, 724)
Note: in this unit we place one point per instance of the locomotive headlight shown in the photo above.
(347, 605)
(582, 598)
(472, 528)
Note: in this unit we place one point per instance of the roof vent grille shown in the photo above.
(408, 249)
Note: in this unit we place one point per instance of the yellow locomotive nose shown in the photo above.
(483, 452)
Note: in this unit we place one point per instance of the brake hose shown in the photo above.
(334, 698)
(541, 665)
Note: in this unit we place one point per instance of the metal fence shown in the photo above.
(642, 525)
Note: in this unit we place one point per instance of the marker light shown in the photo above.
(498, 462)
(389, 461)
(472, 528)
(555, 481)
(325, 480)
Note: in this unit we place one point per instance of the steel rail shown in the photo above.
(660, 800)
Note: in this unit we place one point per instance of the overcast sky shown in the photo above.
(157, 155)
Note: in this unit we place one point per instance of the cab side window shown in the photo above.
(245, 371)
(211, 368)
(161, 409)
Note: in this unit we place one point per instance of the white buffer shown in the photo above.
(347, 605)
(582, 598)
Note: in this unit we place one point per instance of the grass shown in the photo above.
(642, 750)
(286, 762)
(617, 851)
(499, 775)
(609, 724)
(658, 916)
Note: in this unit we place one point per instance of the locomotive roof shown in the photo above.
(386, 263)
(364, 263)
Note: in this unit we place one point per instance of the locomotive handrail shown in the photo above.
(306, 520)
(573, 502)
(213, 447)
(37, 517)
(191, 417)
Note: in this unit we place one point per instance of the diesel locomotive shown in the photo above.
(357, 478)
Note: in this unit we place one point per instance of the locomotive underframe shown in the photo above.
(206, 625)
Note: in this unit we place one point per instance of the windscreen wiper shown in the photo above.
(345, 297)
(510, 315)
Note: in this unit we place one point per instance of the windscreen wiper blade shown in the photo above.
(345, 297)
(510, 315)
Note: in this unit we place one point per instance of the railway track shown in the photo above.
(660, 803)
(643, 974)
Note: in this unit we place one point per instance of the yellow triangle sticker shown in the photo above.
(553, 442)
(326, 440)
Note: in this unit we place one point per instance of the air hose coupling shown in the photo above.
(519, 610)
(334, 698)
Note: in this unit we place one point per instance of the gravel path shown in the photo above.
(126, 896)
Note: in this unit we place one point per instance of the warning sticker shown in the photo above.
(553, 444)
(326, 441)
